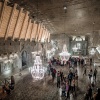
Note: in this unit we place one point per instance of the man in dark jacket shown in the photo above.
(70, 76)
(58, 79)
(90, 93)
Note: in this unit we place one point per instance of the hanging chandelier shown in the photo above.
(37, 71)
(64, 55)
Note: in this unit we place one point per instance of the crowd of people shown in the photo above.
(67, 81)
(73, 61)
(68, 84)
(8, 86)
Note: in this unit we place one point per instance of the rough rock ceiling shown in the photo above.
(78, 19)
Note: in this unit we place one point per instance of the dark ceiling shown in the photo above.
(77, 19)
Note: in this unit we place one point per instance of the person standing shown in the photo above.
(90, 74)
(79, 61)
(84, 73)
(75, 62)
(58, 79)
(12, 83)
(90, 92)
(85, 63)
(73, 85)
(76, 80)
(61, 75)
(63, 89)
(95, 74)
(67, 90)
(90, 61)
(86, 96)
(82, 62)
(70, 76)
(53, 74)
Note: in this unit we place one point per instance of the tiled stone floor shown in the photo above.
(26, 89)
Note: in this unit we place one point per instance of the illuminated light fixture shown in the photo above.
(65, 7)
(92, 51)
(37, 71)
(75, 49)
(64, 55)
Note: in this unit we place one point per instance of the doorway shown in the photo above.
(24, 58)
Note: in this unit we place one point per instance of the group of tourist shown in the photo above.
(8, 86)
(68, 84)
(73, 61)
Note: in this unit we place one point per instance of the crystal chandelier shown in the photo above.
(64, 55)
(37, 71)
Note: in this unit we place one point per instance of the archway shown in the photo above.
(24, 58)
